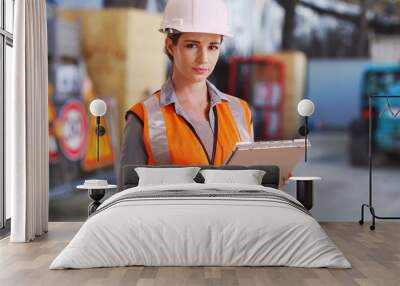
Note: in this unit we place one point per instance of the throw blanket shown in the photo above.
(205, 194)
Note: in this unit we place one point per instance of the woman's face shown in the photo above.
(195, 55)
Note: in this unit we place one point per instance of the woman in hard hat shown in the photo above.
(189, 121)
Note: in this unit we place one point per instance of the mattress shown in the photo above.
(201, 225)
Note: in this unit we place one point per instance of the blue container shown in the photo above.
(383, 80)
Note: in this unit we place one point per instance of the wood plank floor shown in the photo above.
(375, 257)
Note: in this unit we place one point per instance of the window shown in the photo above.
(6, 44)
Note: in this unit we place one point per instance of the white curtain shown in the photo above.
(27, 124)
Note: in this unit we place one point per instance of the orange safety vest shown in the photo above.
(169, 139)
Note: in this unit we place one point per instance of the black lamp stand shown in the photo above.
(303, 131)
(369, 205)
(100, 131)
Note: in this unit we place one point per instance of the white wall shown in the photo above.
(334, 85)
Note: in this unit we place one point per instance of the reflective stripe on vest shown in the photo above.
(240, 119)
(157, 131)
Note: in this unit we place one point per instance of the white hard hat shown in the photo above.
(197, 16)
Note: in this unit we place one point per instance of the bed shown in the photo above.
(201, 224)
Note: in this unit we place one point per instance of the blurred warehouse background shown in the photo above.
(334, 52)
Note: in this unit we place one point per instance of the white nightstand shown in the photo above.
(304, 190)
(96, 193)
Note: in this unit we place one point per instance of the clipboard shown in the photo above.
(285, 154)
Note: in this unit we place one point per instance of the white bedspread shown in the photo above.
(183, 231)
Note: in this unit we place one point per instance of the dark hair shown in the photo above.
(174, 38)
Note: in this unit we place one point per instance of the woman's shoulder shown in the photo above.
(226, 96)
(243, 103)
(236, 99)
(138, 108)
(139, 104)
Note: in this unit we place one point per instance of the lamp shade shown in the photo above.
(98, 107)
(305, 107)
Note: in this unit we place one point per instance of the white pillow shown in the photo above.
(162, 176)
(248, 177)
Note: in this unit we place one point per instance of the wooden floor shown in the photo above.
(375, 257)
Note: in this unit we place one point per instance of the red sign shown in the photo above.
(73, 130)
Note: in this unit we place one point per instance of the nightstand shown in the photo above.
(304, 190)
(96, 193)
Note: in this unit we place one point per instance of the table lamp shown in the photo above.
(98, 108)
(305, 108)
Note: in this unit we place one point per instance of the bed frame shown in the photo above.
(130, 178)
